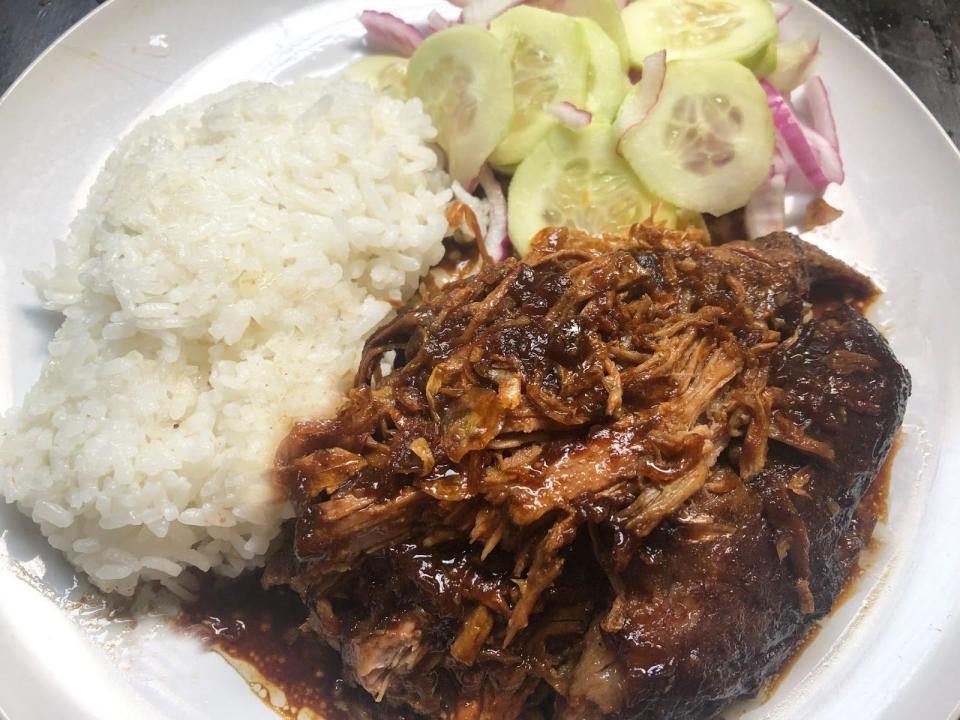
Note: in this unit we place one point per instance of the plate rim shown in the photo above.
(823, 16)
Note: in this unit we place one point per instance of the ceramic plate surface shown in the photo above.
(891, 651)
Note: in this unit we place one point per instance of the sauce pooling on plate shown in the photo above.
(833, 339)
(257, 632)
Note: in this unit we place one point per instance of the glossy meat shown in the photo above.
(618, 479)
(716, 599)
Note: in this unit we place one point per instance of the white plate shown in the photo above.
(890, 651)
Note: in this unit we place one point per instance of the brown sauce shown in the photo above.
(878, 495)
(258, 630)
(861, 305)
(243, 622)
(772, 684)
(727, 228)
(873, 508)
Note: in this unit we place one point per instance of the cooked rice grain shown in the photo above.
(232, 258)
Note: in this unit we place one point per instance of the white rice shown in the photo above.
(232, 258)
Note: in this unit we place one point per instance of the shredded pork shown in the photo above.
(470, 524)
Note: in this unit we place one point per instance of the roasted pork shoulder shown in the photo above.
(618, 479)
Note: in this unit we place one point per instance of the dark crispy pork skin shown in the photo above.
(618, 479)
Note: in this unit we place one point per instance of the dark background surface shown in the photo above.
(919, 39)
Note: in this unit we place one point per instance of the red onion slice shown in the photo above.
(781, 10)
(437, 22)
(570, 115)
(766, 211)
(831, 164)
(481, 12)
(644, 97)
(389, 33)
(497, 242)
(794, 135)
(782, 152)
(821, 113)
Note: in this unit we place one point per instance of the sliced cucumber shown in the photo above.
(794, 63)
(606, 81)
(550, 62)
(764, 63)
(707, 144)
(576, 179)
(606, 13)
(463, 77)
(386, 74)
(700, 29)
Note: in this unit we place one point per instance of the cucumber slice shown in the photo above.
(463, 77)
(700, 29)
(765, 63)
(794, 63)
(576, 179)
(606, 82)
(550, 63)
(386, 74)
(707, 144)
(606, 13)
